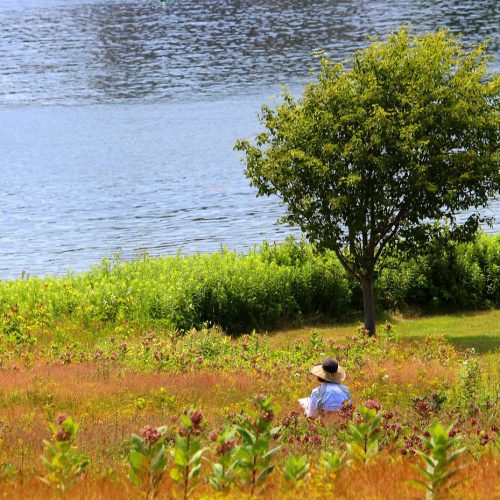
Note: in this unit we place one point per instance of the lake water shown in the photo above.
(118, 119)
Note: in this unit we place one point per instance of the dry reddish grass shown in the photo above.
(72, 381)
(388, 478)
(414, 371)
(385, 478)
(102, 488)
(104, 405)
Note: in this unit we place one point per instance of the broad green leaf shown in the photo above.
(197, 456)
(419, 485)
(456, 454)
(134, 478)
(194, 471)
(264, 473)
(159, 461)
(185, 420)
(244, 455)
(270, 454)
(137, 460)
(247, 436)
(217, 468)
(136, 442)
(176, 475)
(180, 457)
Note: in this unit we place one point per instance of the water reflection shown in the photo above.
(118, 118)
(98, 51)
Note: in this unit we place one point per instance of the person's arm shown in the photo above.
(348, 394)
(312, 409)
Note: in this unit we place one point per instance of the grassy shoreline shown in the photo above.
(271, 286)
(116, 384)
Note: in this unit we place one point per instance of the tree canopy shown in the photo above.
(381, 146)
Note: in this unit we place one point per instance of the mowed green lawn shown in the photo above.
(479, 330)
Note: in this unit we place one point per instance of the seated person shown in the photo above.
(330, 395)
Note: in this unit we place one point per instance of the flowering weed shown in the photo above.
(148, 459)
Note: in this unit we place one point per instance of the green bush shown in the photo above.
(448, 276)
(269, 285)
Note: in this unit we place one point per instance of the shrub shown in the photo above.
(364, 432)
(296, 469)
(223, 475)
(448, 275)
(267, 286)
(63, 462)
(187, 452)
(148, 459)
(254, 457)
(331, 463)
(438, 462)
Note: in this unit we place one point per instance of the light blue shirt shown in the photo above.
(327, 396)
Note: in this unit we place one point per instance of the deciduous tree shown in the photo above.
(380, 147)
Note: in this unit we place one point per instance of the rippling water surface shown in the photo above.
(117, 119)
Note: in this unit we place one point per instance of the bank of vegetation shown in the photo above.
(134, 417)
(271, 285)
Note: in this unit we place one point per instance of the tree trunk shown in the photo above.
(368, 304)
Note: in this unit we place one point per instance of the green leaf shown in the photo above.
(422, 471)
(180, 457)
(456, 454)
(243, 460)
(264, 473)
(181, 442)
(134, 477)
(261, 445)
(419, 485)
(159, 461)
(372, 448)
(162, 429)
(137, 460)
(214, 483)
(271, 453)
(194, 471)
(197, 456)
(247, 436)
(136, 442)
(217, 469)
(176, 475)
(432, 462)
(185, 421)
(450, 474)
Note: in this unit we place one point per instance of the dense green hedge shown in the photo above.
(272, 284)
(237, 292)
(448, 276)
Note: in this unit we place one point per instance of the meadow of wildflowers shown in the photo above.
(163, 414)
(124, 382)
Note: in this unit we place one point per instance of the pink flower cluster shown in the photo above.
(372, 404)
(150, 434)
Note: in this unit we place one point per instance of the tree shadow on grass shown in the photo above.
(481, 343)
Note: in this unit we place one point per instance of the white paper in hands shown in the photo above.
(304, 403)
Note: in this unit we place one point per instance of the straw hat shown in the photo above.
(329, 370)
